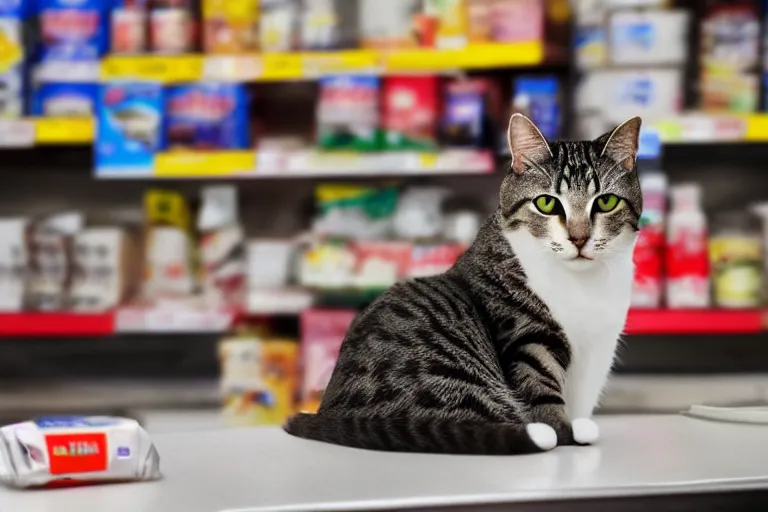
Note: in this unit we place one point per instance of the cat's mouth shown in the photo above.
(582, 257)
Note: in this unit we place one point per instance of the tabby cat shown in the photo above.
(509, 350)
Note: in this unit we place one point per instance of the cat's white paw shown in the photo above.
(542, 435)
(585, 431)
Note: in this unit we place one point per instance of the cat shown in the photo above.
(509, 350)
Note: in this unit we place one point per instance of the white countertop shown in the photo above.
(263, 469)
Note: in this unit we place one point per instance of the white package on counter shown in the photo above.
(76, 450)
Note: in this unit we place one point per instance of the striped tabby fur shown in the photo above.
(487, 358)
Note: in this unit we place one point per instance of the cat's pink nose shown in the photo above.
(579, 242)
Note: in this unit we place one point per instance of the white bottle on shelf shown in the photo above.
(687, 257)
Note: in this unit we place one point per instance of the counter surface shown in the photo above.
(263, 469)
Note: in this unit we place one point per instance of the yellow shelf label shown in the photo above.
(156, 68)
(10, 52)
(324, 63)
(282, 66)
(63, 130)
(473, 56)
(757, 128)
(428, 160)
(189, 164)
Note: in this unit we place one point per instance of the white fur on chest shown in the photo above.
(591, 306)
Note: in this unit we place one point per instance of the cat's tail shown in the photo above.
(424, 435)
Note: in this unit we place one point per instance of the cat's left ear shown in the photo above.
(622, 143)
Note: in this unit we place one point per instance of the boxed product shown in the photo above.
(259, 379)
(107, 268)
(230, 26)
(411, 112)
(172, 26)
(129, 26)
(270, 263)
(51, 251)
(730, 50)
(14, 263)
(322, 332)
(68, 451)
(222, 248)
(591, 46)
(348, 113)
(648, 283)
(531, 20)
(12, 77)
(651, 37)
(72, 30)
(207, 116)
(65, 100)
(463, 123)
(606, 98)
(354, 211)
(389, 25)
(170, 265)
(279, 25)
(539, 98)
(329, 24)
(130, 128)
(449, 23)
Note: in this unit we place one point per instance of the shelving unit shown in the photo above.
(198, 321)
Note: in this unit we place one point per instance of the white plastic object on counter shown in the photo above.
(72, 450)
(755, 415)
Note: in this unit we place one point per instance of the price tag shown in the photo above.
(329, 63)
(155, 68)
(282, 66)
(17, 133)
(202, 164)
(62, 130)
(232, 68)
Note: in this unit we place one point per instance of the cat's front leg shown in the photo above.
(535, 366)
(584, 382)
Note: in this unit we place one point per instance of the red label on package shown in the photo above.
(77, 453)
(687, 254)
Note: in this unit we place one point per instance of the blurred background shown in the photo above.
(197, 197)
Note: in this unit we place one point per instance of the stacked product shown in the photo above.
(367, 238)
(365, 114)
(682, 262)
(633, 56)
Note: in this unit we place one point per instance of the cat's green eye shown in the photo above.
(607, 203)
(546, 204)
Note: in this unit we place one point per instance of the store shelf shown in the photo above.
(56, 324)
(311, 65)
(29, 132)
(137, 320)
(708, 128)
(706, 321)
(305, 163)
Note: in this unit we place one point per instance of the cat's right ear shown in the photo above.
(526, 143)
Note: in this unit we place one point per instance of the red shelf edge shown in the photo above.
(56, 324)
(705, 321)
(639, 322)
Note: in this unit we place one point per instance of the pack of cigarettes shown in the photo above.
(65, 451)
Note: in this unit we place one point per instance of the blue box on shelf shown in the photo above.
(13, 79)
(72, 30)
(209, 116)
(130, 128)
(540, 99)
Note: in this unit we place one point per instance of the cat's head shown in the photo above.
(580, 202)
